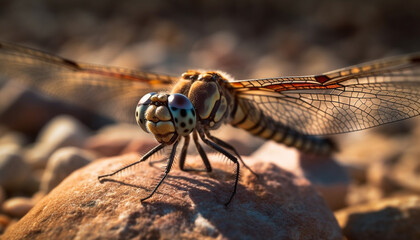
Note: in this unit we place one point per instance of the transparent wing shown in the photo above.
(339, 101)
(108, 90)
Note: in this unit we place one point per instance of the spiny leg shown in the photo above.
(228, 155)
(168, 169)
(202, 153)
(184, 152)
(230, 147)
(144, 158)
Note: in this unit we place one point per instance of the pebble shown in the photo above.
(13, 169)
(61, 164)
(4, 222)
(2, 195)
(61, 131)
(17, 206)
(112, 140)
(392, 218)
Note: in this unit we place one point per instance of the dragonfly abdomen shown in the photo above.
(258, 124)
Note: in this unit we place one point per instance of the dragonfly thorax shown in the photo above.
(211, 101)
(166, 116)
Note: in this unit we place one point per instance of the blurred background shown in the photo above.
(248, 39)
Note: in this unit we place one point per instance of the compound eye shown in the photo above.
(141, 110)
(183, 113)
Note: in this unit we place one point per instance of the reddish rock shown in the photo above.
(112, 140)
(325, 173)
(139, 146)
(4, 222)
(392, 218)
(277, 205)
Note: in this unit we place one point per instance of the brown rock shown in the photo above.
(392, 218)
(13, 169)
(328, 177)
(112, 140)
(407, 171)
(2, 195)
(139, 146)
(277, 205)
(4, 222)
(17, 206)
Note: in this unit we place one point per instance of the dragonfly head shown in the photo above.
(166, 116)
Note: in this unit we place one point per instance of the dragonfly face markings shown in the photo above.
(290, 110)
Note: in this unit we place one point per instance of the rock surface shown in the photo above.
(277, 205)
(392, 218)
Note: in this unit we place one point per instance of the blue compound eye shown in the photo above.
(141, 110)
(183, 113)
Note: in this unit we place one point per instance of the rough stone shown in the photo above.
(277, 205)
(61, 164)
(392, 218)
(13, 169)
(59, 132)
(17, 206)
(328, 177)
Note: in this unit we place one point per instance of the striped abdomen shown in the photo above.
(257, 123)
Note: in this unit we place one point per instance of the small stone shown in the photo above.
(139, 146)
(13, 169)
(61, 164)
(277, 205)
(392, 218)
(17, 206)
(13, 138)
(407, 171)
(2, 195)
(59, 132)
(4, 222)
(19, 105)
(328, 177)
(111, 140)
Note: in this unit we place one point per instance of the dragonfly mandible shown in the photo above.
(296, 111)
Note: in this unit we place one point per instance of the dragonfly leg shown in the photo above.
(144, 158)
(230, 147)
(184, 152)
(168, 169)
(228, 155)
(202, 155)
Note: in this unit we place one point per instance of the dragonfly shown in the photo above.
(298, 111)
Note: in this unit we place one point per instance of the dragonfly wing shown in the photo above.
(108, 90)
(345, 100)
